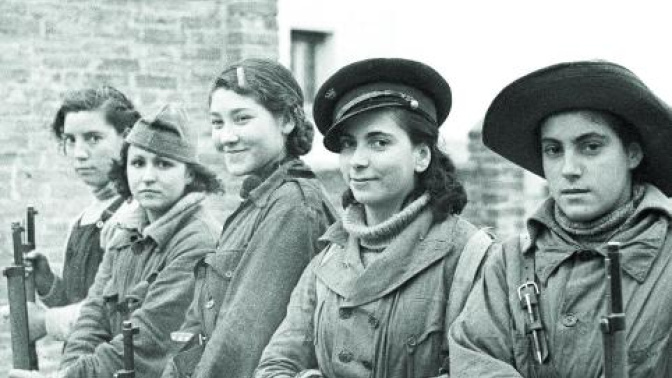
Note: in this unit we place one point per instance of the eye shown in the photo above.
(93, 139)
(217, 123)
(242, 119)
(137, 163)
(379, 143)
(345, 144)
(164, 164)
(552, 150)
(68, 139)
(591, 148)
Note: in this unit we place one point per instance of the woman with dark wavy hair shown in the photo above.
(242, 289)
(89, 127)
(378, 301)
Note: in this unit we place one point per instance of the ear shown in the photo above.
(635, 155)
(189, 175)
(423, 156)
(287, 124)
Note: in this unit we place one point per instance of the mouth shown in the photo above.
(574, 191)
(149, 191)
(84, 170)
(233, 152)
(361, 180)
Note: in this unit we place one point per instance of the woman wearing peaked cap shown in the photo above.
(147, 271)
(601, 139)
(377, 302)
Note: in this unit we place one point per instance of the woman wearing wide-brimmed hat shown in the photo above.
(378, 301)
(601, 139)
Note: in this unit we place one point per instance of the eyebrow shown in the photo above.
(234, 110)
(578, 139)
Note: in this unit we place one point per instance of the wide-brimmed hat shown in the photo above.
(167, 134)
(376, 83)
(511, 126)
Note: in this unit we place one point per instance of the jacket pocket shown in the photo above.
(422, 335)
(650, 359)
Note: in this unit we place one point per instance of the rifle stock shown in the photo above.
(24, 355)
(128, 331)
(613, 324)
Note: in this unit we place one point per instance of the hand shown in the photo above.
(18, 373)
(4, 313)
(37, 327)
(44, 277)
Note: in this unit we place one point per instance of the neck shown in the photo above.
(104, 192)
(378, 214)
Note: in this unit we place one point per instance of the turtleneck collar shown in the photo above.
(379, 236)
(599, 230)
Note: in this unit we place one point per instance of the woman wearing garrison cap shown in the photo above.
(377, 302)
(601, 139)
(147, 271)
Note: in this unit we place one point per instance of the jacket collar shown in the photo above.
(418, 246)
(137, 227)
(641, 241)
(258, 189)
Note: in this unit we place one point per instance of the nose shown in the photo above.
(571, 166)
(149, 174)
(223, 136)
(80, 150)
(359, 158)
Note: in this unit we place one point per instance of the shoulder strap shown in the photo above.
(472, 257)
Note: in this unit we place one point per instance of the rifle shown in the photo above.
(24, 355)
(613, 324)
(128, 331)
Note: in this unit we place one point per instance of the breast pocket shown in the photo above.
(420, 334)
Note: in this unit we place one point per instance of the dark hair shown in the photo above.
(117, 109)
(204, 180)
(446, 193)
(625, 130)
(276, 89)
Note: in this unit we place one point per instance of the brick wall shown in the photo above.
(501, 194)
(152, 50)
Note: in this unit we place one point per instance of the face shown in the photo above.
(588, 169)
(155, 181)
(248, 134)
(379, 162)
(91, 144)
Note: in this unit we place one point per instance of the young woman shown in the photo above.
(147, 271)
(378, 301)
(242, 290)
(90, 125)
(600, 137)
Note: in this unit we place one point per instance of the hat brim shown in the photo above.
(511, 125)
(396, 70)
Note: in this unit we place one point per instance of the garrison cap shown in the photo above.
(377, 83)
(166, 134)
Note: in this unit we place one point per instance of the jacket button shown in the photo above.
(210, 303)
(344, 313)
(228, 274)
(569, 320)
(373, 321)
(367, 365)
(345, 356)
